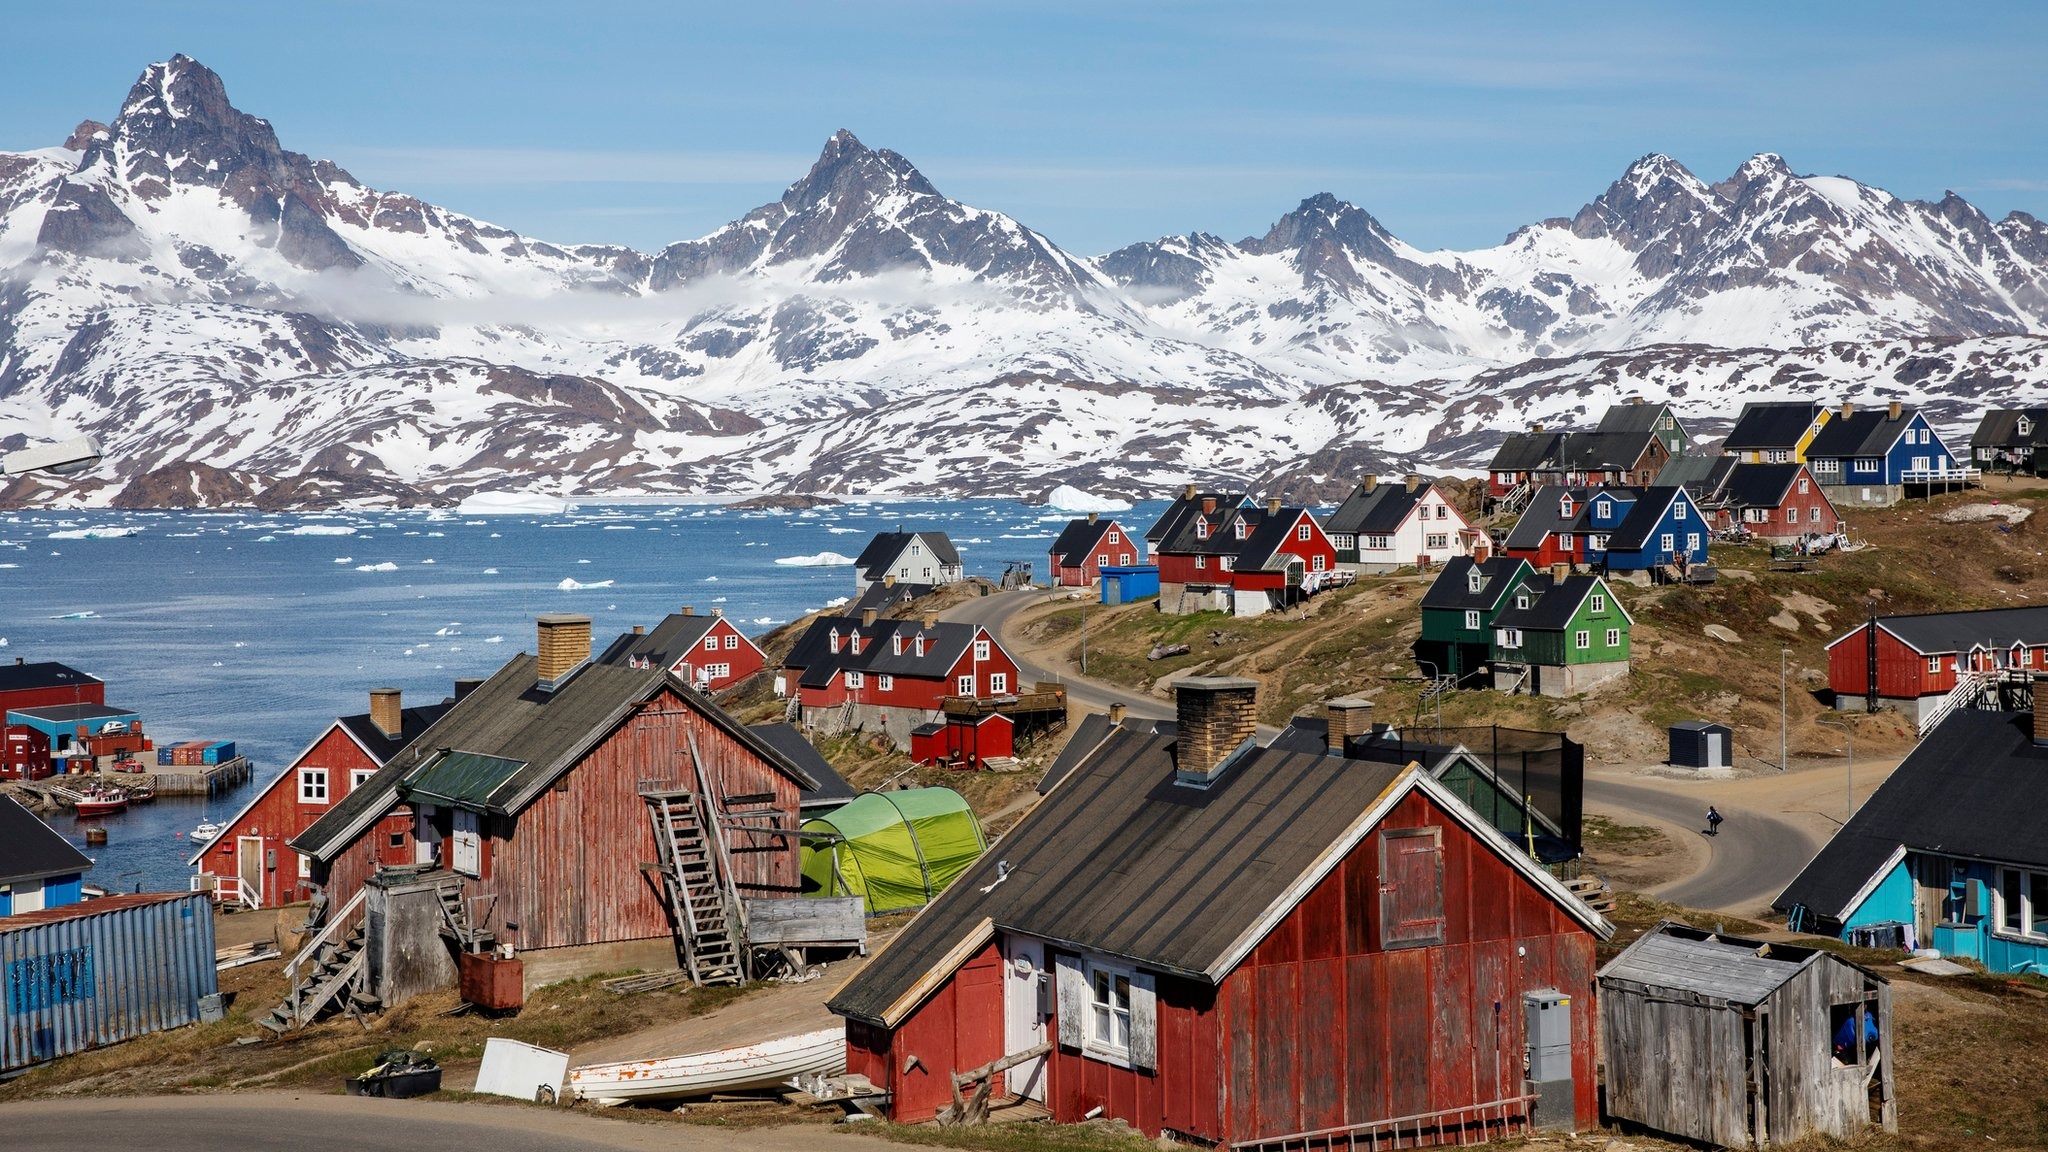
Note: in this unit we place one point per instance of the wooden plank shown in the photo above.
(826, 920)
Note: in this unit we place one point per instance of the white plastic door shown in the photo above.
(1024, 997)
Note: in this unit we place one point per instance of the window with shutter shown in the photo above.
(1411, 887)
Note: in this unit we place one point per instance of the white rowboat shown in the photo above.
(753, 1066)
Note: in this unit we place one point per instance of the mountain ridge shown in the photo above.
(181, 284)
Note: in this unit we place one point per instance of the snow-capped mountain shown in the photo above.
(238, 322)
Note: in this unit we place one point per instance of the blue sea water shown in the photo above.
(262, 629)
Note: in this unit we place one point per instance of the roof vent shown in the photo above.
(564, 647)
(1217, 718)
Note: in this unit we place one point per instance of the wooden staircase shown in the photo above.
(1594, 891)
(468, 933)
(697, 879)
(328, 973)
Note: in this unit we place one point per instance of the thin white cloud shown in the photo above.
(464, 165)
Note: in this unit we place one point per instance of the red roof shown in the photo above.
(99, 907)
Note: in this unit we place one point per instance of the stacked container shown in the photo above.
(219, 752)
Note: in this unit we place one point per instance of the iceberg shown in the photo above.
(386, 566)
(510, 503)
(94, 533)
(821, 560)
(321, 530)
(1068, 498)
(570, 584)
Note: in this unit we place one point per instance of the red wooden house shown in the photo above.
(1085, 547)
(705, 651)
(1241, 558)
(1920, 659)
(866, 672)
(45, 684)
(1233, 944)
(531, 796)
(249, 863)
(25, 753)
(1778, 502)
(964, 741)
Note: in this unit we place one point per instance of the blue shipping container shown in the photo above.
(1125, 585)
(101, 972)
(219, 753)
(163, 754)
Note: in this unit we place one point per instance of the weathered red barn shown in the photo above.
(1085, 547)
(705, 651)
(1919, 659)
(892, 675)
(532, 795)
(250, 863)
(1234, 944)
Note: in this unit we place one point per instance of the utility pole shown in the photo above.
(1849, 734)
(1084, 637)
(1784, 738)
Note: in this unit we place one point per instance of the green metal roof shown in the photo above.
(460, 779)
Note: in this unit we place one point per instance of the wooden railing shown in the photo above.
(1471, 1124)
(1969, 685)
(338, 926)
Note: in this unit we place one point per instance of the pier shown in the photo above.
(193, 779)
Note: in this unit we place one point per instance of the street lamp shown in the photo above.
(75, 455)
(1848, 733)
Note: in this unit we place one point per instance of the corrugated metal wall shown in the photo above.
(111, 970)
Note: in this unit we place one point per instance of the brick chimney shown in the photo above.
(1412, 481)
(1116, 713)
(386, 714)
(1347, 716)
(2041, 708)
(1848, 409)
(1216, 714)
(1372, 481)
(466, 685)
(1559, 571)
(867, 617)
(1208, 505)
(564, 647)
(1273, 506)
(1094, 516)
(1894, 410)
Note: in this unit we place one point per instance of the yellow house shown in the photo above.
(1775, 431)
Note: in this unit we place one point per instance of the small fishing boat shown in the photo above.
(140, 793)
(207, 832)
(752, 1066)
(102, 802)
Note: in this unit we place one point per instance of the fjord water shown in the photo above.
(262, 629)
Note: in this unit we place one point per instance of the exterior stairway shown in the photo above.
(327, 974)
(696, 877)
(1594, 891)
(458, 926)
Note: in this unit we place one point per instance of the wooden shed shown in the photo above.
(1744, 1043)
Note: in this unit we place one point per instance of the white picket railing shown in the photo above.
(1969, 685)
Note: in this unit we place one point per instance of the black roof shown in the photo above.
(662, 645)
(1771, 424)
(1974, 787)
(832, 789)
(882, 596)
(1120, 859)
(66, 713)
(1526, 451)
(1269, 532)
(2000, 428)
(1174, 518)
(1551, 602)
(1079, 538)
(1866, 432)
(1376, 510)
(1543, 514)
(1932, 633)
(1600, 451)
(1636, 420)
(24, 676)
(508, 717)
(1088, 735)
(886, 546)
(1702, 476)
(31, 849)
(1452, 587)
(1643, 517)
(1760, 485)
(412, 722)
(944, 644)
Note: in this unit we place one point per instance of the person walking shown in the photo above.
(1713, 821)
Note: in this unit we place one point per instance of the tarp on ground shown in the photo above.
(892, 849)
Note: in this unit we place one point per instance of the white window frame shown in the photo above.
(1379, 543)
(1614, 637)
(964, 685)
(2033, 918)
(1934, 665)
(1802, 486)
(1437, 540)
(1599, 603)
(1564, 541)
(1302, 532)
(1201, 563)
(885, 683)
(1667, 542)
(998, 683)
(1471, 620)
(1114, 538)
(1692, 542)
(717, 671)
(981, 649)
(1106, 1013)
(732, 641)
(855, 681)
(356, 777)
(711, 643)
(1582, 639)
(313, 786)
(1228, 563)
(1511, 637)
(1316, 563)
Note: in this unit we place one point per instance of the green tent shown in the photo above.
(892, 849)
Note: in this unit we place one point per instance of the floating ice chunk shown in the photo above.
(427, 561)
(820, 560)
(490, 571)
(1068, 498)
(494, 639)
(766, 620)
(86, 615)
(266, 539)
(502, 503)
(344, 559)
(93, 533)
(570, 584)
(710, 579)
(322, 530)
(386, 566)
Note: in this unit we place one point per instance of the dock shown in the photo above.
(193, 779)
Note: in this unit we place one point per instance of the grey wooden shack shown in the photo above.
(1734, 1042)
(1702, 744)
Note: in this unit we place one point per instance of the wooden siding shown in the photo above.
(958, 1027)
(277, 815)
(744, 658)
(1901, 672)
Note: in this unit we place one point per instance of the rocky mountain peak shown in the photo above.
(1761, 177)
(1657, 210)
(848, 170)
(82, 136)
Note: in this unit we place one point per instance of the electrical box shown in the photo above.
(1548, 1015)
(270, 859)
(1977, 900)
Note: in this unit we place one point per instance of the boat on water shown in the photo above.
(752, 1066)
(207, 832)
(102, 802)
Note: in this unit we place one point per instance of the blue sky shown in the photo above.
(1098, 124)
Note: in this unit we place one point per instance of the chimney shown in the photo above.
(1273, 506)
(689, 611)
(1535, 427)
(1636, 399)
(1848, 409)
(1216, 715)
(889, 580)
(639, 629)
(720, 611)
(1116, 713)
(931, 621)
(1094, 516)
(564, 647)
(1412, 481)
(1892, 412)
(867, 617)
(1559, 571)
(466, 685)
(17, 661)
(1348, 716)
(1188, 493)
(386, 713)
(1372, 481)
(2041, 708)
(1208, 505)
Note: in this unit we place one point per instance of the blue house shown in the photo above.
(1874, 458)
(1950, 853)
(38, 868)
(1660, 526)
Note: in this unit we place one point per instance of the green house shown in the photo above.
(1458, 612)
(1559, 634)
